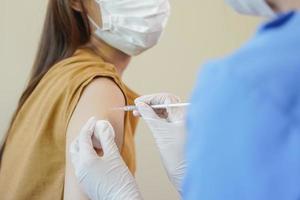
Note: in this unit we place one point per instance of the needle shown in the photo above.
(161, 106)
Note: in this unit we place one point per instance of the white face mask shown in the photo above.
(132, 26)
(252, 7)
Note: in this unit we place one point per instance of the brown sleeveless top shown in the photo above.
(33, 160)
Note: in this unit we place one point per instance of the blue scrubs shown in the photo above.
(244, 122)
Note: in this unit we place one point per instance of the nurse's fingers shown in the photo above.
(151, 99)
(136, 113)
(106, 134)
(157, 99)
(74, 147)
(85, 138)
(146, 111)
(163, 113)
(74, 152)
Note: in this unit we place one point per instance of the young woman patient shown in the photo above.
(85, 47)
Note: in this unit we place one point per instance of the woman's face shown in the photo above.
(135, 27)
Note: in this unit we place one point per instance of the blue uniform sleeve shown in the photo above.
(243, 141)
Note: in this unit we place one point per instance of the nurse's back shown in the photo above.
(244, 123)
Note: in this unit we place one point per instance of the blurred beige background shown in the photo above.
(198, 31)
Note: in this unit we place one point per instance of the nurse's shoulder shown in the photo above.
(267, 66)
(269, 61)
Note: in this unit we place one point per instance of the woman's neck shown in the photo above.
(111, 55)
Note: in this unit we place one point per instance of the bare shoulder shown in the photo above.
(97, 100)
(106, 90)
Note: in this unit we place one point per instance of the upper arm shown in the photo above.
(97, 100)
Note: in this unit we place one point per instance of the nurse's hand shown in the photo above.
(105, 177)
(168, 128)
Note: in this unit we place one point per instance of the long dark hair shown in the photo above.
(65, 29)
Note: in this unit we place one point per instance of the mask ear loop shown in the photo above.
(106, 17)
(94, 23)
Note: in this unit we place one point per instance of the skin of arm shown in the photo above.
(97, 100)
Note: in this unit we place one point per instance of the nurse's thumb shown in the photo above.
(106, 134)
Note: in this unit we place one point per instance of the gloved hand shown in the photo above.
(106, 177)
(168, 128)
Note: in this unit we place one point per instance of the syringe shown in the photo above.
(161, 106)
